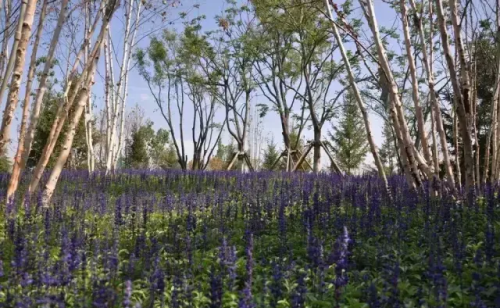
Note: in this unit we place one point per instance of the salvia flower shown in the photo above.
(127, 297)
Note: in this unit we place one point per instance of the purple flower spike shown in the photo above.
(128, 294)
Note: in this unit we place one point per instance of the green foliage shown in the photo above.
(387, 152)
(158, 151)
(226, 153)
(271, 154)
(47, 116)
(146, 149)
(297, 37)
(349, 140)
(137, 154)
(486, 61)
(168, 158)
(5, 164)
(78, 156)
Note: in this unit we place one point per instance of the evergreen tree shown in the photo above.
(137, 154)
(169, 159)
(229, 155)
(387, 152)
(349, 139)
(221, 151)
(47, 116)
(5, 164)
(78, 155)
(147, 149)
(159, 153)
(225, 153)
(271, 154)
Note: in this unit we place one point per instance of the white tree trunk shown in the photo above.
(435, 158)
(112, 108)
(496, 150)
(491, 141)
(15, 83)
(457, 150)
(359, 99)
(415, 160)
(492, 136)
(42, 85)
(88, 106)
(68, 141)
(435, 111)
(17, 166)
(128, 45)
(108, 100)
(64, 109)
(492, 133)
(89, 135)
(6, 36)
(414, 83)
(13, 57)
(118, 91)
(461, 93)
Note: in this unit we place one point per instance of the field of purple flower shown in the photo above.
(184, 239)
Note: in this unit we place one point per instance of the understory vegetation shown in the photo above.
(225, 239)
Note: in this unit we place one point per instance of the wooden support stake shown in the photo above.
(288, 161)
(305, 161)
(235, 156)
(276, 162)
(334, 164)
(249, 163)
(301, 159)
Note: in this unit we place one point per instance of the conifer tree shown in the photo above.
(388, 154)
(137, 154)
(349, 142)
(5, 164)
(271, 154)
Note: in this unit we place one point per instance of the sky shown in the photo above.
(139, 92)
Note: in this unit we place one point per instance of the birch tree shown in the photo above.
(11, 60)
(16, 170)
(427, 57)
(414, 82)
(26, 22)
(81, 99)
(88, 106)
(117, 87)
(8, 25)
(461, 87)
(415, 160)
(70, 97)
(68, 141)
(42, 85)
(357, 96)
(492, 138)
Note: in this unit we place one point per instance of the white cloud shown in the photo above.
(144, 97)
